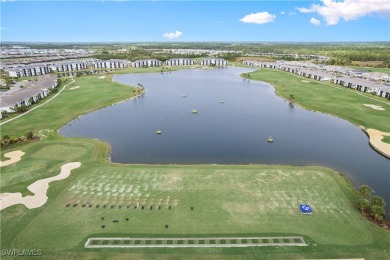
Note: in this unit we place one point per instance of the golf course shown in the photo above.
(184, 204)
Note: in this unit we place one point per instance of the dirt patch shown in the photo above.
(14, 156)
(385, 224)
(306, 81)
(374, 106)
(376, 141)
(367, 63)
(38, 188)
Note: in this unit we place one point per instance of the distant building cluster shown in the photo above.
(28, 92)
(20, 51)
(196, 52)
(290, 55)
(350, 78)
(37, 69)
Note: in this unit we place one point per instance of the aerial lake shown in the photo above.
(234, 120)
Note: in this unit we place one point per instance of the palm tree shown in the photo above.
(365, 191)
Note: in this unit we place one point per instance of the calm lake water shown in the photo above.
(234, 131)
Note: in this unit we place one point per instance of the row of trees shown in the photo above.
(340, 54)
(139, 54)
(7, 140)
(371, 205)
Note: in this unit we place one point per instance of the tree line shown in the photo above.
(374, 206)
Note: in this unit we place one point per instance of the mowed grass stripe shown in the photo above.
(225, 200)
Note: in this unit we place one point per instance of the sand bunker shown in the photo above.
(14, 156)
(76, 87)
(102, 77)
(374, 106)
(376, 141)
(39, 188)
(306, 81)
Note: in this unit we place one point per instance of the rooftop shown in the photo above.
(30, 89)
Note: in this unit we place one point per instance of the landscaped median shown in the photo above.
(326, 97)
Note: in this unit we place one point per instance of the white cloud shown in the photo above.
(315, 21)
(332, 11)
(304, 10)
(258, 18)
(172, 35)
(282, 12)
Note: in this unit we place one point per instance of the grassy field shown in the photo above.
(227, 200)
(50, 117)
(329, 98)
(246, 200)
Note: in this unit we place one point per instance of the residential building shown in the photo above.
(146, 63)
(180, 62)
(213, 62)
(315, 74)
(364, 86)
(27, 92)
(252, 63)
(111, 64)
(68, 66)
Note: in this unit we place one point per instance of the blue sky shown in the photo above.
(181, 21)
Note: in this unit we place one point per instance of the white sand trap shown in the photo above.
(306, 81)
(376, 141)
(102, 77)
(374, 106)
(14, 156)
(75, 87)
(39, 188)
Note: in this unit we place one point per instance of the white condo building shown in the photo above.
(179, 62)
(213, 62)
(146, 63)
(111, 64)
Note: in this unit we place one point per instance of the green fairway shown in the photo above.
(93, 93)
(226, 199)
(250, 200)
(180, 201)
(329, 98)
